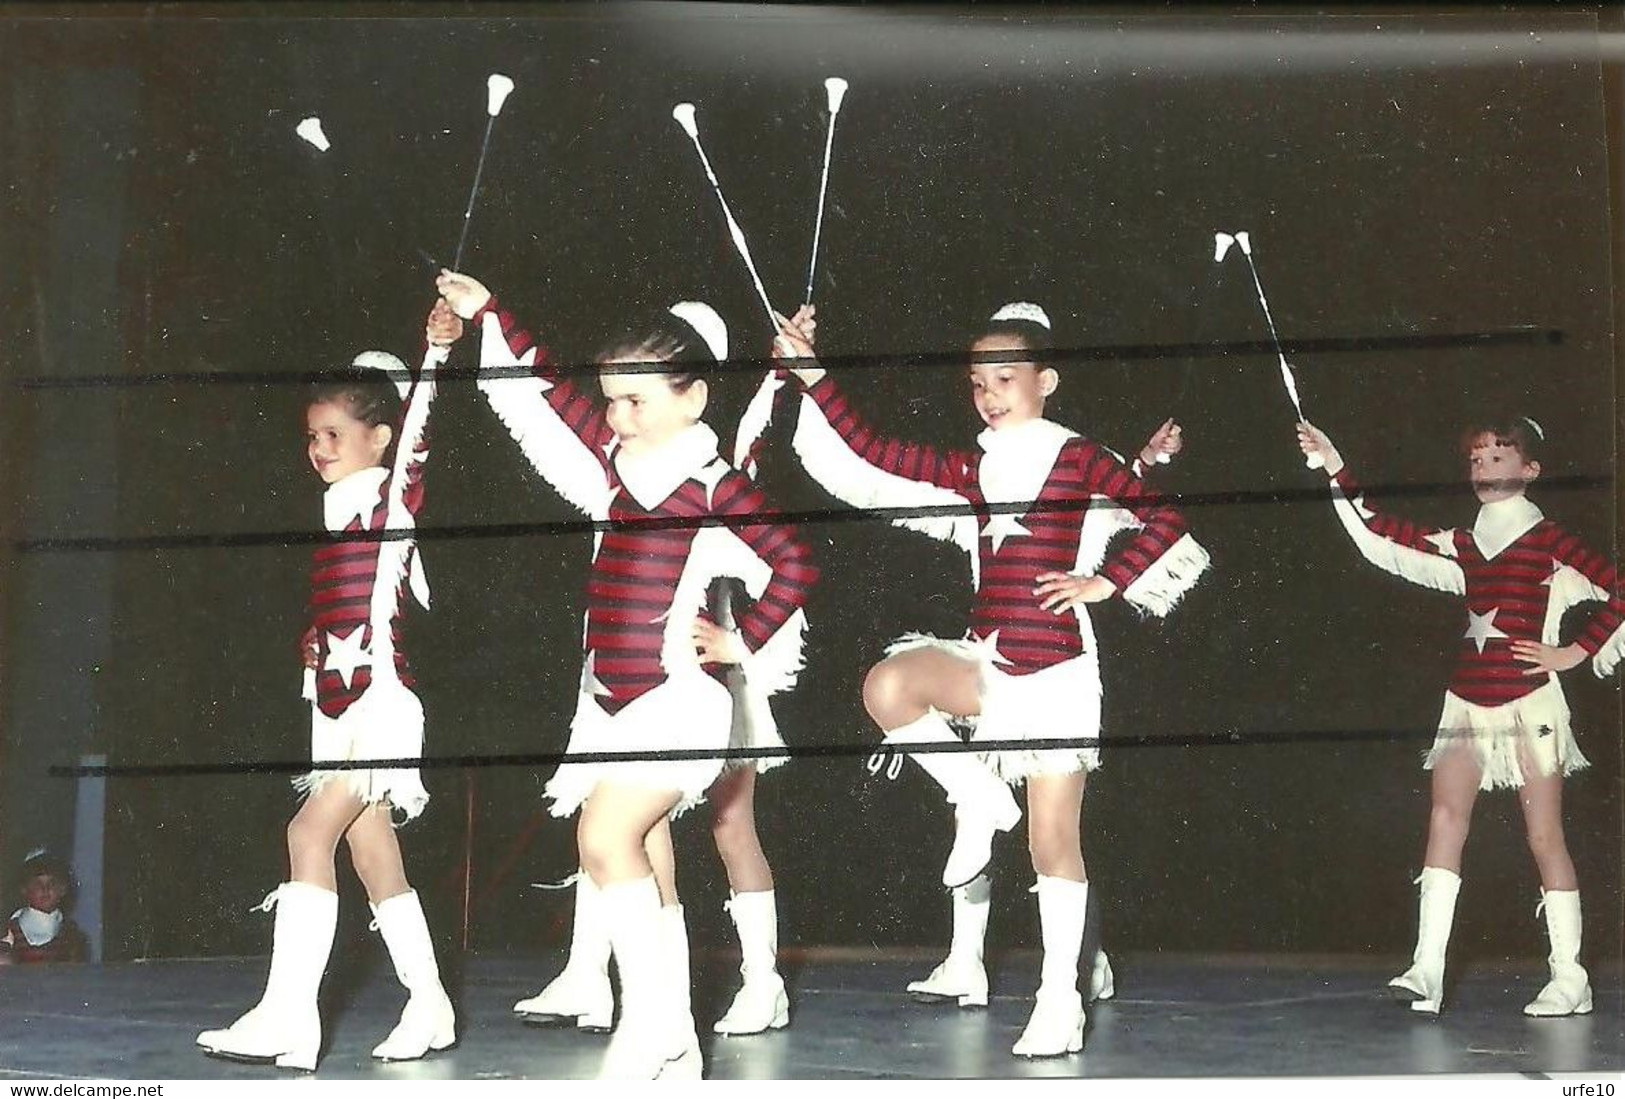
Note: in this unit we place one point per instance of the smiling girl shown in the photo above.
(1505, 722)
(370, 455)
(1034, 507)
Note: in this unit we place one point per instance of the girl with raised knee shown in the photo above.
(1034, 506)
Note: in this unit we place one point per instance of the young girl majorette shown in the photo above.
(1505, 722)
(649, 467)
(1044, 501)
(581, 992)
(371, 456)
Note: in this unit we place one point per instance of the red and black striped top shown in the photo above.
(342, 576)
(644, 552)
(1030, 638)
(1508, 596)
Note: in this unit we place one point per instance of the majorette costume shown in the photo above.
(1519, 573)
(643, 688)
(362, 708)
(1037, 498)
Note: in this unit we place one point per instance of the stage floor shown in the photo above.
(1173, 1016)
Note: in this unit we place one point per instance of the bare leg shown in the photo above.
(1456, 776)
(1055, 825)
(614, 827)
(663, 859)
(1542, 801)
(733, 827)
(901, 688)
(375, 852)
(313, 834)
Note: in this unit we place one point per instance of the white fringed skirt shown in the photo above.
(385, 723)
(1533, 730)
(689, 712)
(1059, 702)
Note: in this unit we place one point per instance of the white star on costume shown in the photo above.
(590, 683)
(1360, 508)
(1445, 542)
(1002, 526)
(990, 645)
(1481, 627)
(346, 654)
(1551, 577)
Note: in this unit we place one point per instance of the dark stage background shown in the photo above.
(1401, 178)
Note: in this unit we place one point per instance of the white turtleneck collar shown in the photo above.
(351, 497)
(651, 477)
(1504, 522)
(39, 928)
(1018, 459)
(1036, 433)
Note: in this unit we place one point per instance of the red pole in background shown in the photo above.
(468, 854)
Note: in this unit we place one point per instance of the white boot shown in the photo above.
(1056, 1026)
(1569, 990)
(428, 1022)
(674, 935)
(1423, 982)
(656, 1029)
(983, 805)
(285, 1026)
(962, 976)
(581, 992)
(761, 1003)
(1102, 986)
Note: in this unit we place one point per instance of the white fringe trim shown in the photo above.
(1607, 658)
(398, 563)
(553, 450)
(850, 479)
(1535, 729)
(1103, 521)
(1571, 587)
(1426, 569)
(719, 551)
(1159, 589)
(753, 422)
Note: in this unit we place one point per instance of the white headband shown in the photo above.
(704, 320)
(378, 360)
(1023, 311)
(1540, 432)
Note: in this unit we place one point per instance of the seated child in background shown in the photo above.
(40, 931)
